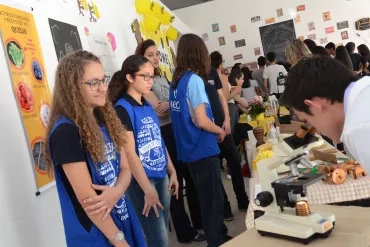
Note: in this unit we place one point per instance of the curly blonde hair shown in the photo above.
(295, 51)
(69, 102)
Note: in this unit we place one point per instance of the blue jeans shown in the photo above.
(155, 228)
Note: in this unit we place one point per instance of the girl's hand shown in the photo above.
(162, 107)
(103, 202)
(173, 185)
(151, 201)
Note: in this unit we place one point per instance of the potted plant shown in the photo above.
(257, 109)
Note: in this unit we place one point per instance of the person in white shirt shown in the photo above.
(271, 73)
(323, 92)
(250, 86)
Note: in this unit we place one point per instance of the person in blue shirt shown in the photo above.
(145, 149)
(197, 135)
(84, 148)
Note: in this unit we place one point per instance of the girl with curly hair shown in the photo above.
(145, 149)
(84, 147)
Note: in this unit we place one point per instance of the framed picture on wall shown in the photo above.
(239, 43)
(205, 36)
(215, 27)
(342, 25)
(233, 28)
(311, 26)
(257, 51)
(344, 35)
(311, 36)
(237, 57)
(221, 41)
(326, 16)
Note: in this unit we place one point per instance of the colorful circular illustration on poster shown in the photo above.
(25, 97)
(38, 154)
(37, 70)
(44, 114)
(15, 54)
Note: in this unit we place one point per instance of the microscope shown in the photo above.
(286, 215)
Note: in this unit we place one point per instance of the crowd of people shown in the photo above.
(121, 149)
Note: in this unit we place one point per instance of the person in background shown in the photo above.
(237, 66)
(258, 75)
(295, 51)
(364, 52)
(250, 87)
(342, 56)
(158, 97)
(321, 51)
(215, 92)
(330, 47)
(150, 189)
(84, 147)
(355, 57)
(311, 45)
(337, 109)
(271, 73)
(196, 134)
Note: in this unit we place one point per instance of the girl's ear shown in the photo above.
(129, 78)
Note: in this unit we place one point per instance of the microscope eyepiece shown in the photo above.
(264, 199)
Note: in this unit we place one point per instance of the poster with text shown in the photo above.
(30, 85)
(65, 38)
(101, 46)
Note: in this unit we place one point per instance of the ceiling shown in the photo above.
(179, 4)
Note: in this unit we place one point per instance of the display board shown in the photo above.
(276, 36)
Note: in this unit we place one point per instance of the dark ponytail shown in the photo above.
(119, 83)
(235, 74)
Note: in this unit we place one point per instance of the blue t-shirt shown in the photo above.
(196, 92)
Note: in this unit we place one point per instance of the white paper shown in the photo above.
(257, 190)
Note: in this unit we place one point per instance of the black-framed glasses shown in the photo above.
(95, 84)
(146, 76)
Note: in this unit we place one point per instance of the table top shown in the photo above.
(318, 193)
(253, 123)
(352, 229)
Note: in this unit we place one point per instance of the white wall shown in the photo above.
(239, 12)
(27, 220)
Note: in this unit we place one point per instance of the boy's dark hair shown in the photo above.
(247, 77)
(330, 46)
(350, 46)
(319, 76)
(261, 61)
(216, 59)
(271, 56)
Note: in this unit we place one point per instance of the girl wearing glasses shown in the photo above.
(145, 149)
(158, 98)
(85, 149)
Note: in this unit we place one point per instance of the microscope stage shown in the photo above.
(288, 225)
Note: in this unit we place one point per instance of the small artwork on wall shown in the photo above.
(205, 36)
(280, 12)
(297, 19)
(270, 20)
(257, 51)
(215, 27)
(342, 25)
(311, 36)
(301, 7)
(311, 26)
(301, 38)
(255, 19)
(221, 41)
(239, 43)
(324, 40)
(237, 57)
(329, 30)
(344, 35)
(233, 28)
(326, 16)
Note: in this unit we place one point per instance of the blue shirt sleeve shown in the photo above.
(196, 92)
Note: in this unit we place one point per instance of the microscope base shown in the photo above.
(288, 225)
